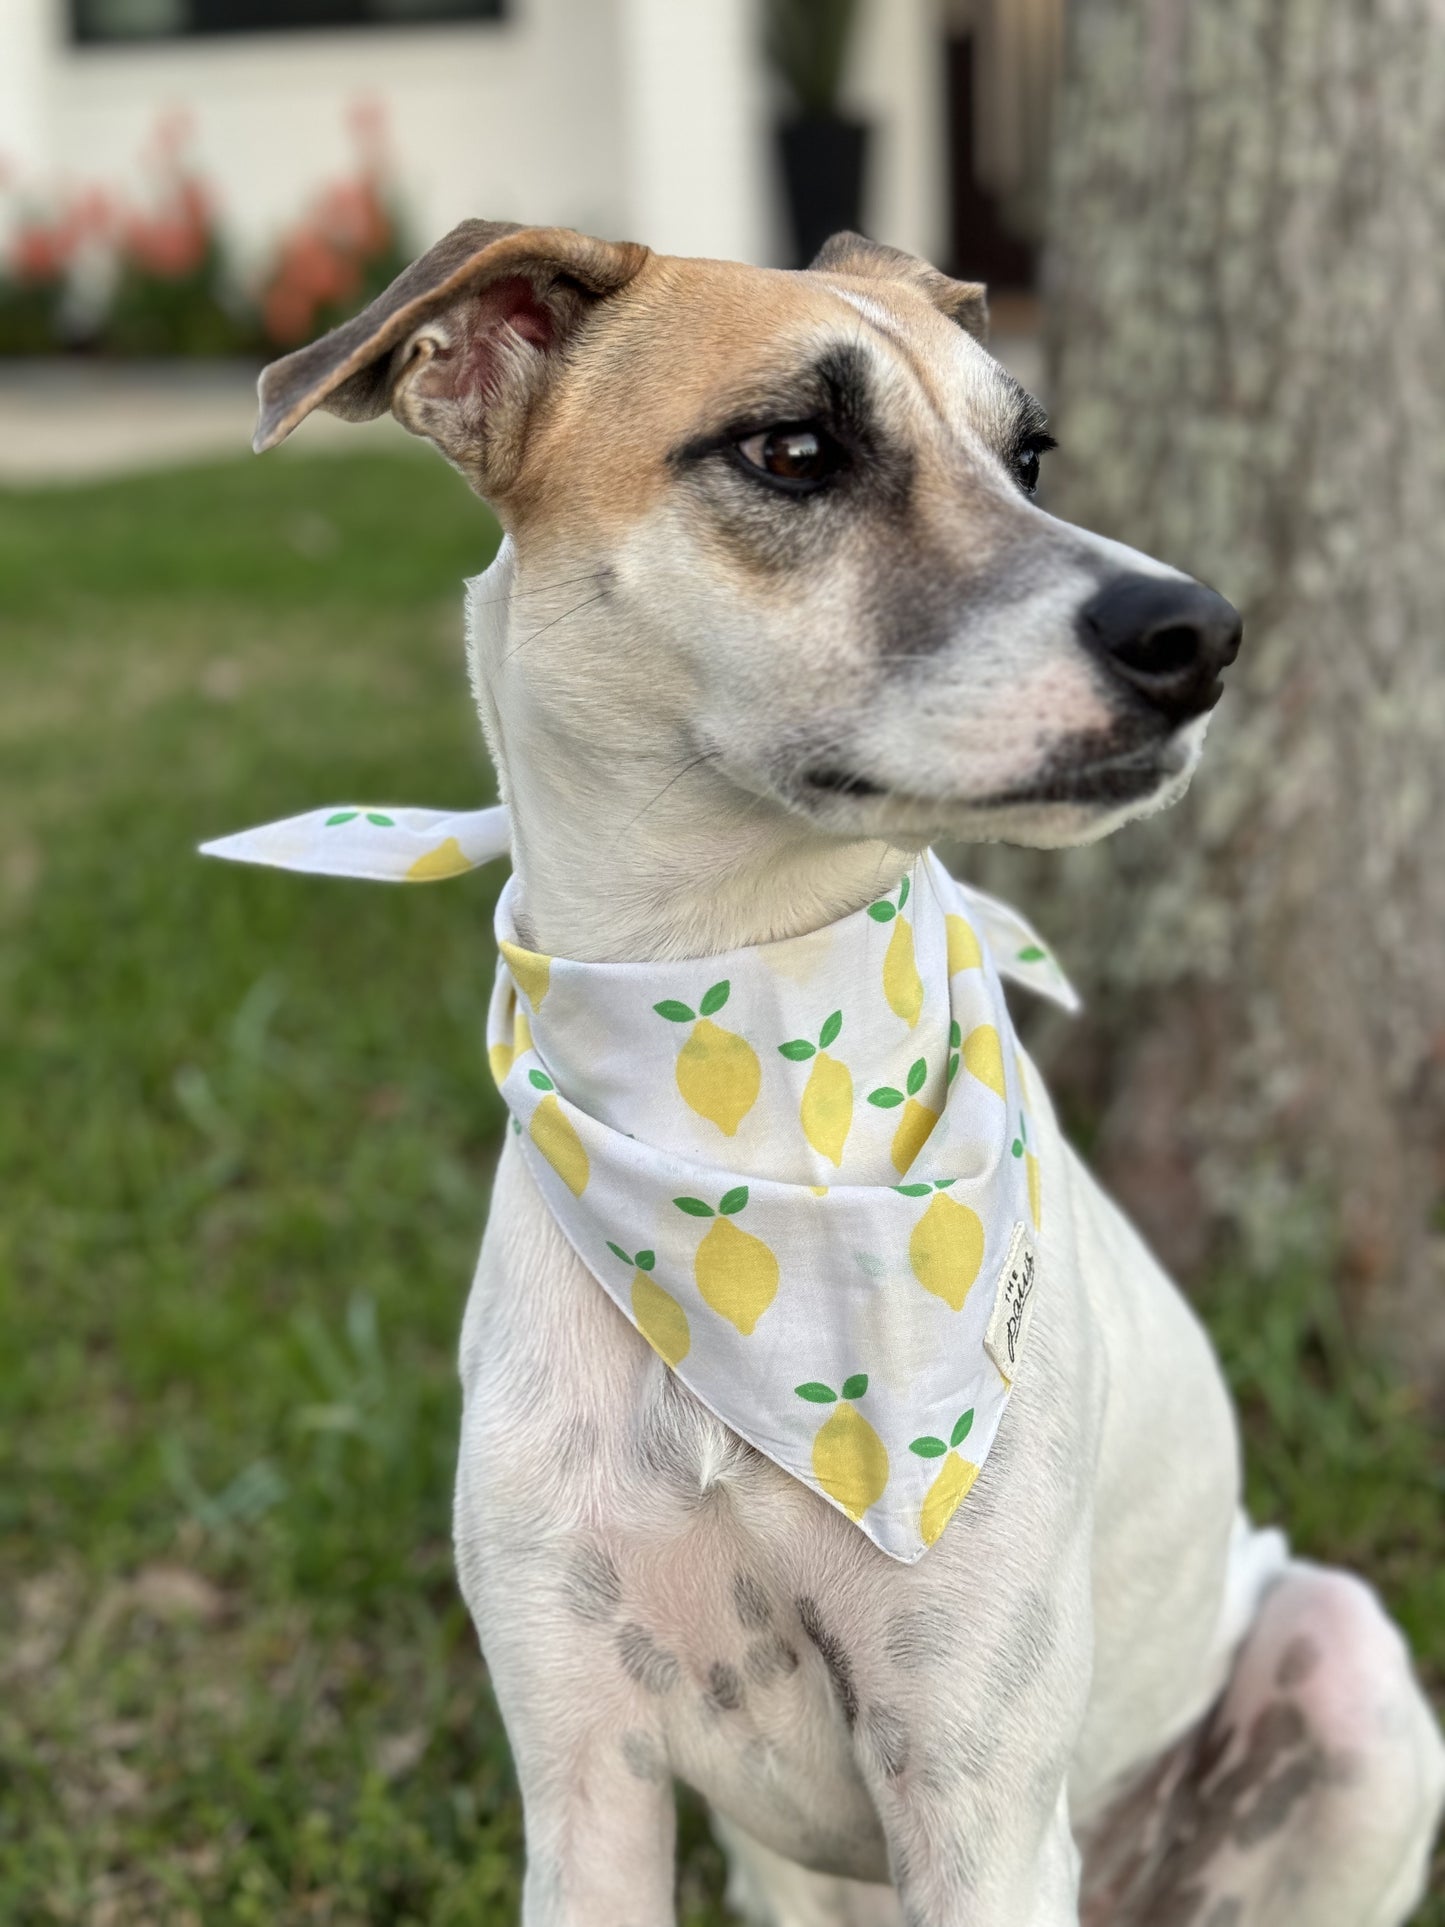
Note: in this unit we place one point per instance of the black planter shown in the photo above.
(823, 161)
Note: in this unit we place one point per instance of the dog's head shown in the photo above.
(799, 510)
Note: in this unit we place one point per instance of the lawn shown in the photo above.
(245, 1152)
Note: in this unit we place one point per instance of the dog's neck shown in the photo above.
(625, 844)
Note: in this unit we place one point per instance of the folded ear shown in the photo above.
(965, 302)
(458, 346)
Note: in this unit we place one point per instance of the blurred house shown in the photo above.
(629, 117)
(646, 118)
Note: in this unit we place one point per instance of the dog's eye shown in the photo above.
(794, 458)
(1026, 460)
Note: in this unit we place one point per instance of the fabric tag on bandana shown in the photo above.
(1013, 1305)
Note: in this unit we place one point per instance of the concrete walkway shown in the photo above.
(80, 421)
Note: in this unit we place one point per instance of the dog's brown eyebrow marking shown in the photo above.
(1030, 416)
(833, 389)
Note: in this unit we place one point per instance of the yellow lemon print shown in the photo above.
(660, 1319)
(945, 1248)
(531, 971)
(826, 1111)
(1031, 1171)
(964, 950)
(912, 1134)
(718, 1072)
(850, 1461)
(902, 985)
(501, 1057)
(446, 860)
(917, 1119)
(953, 1483)
(983, 1058)
(736, 1273)
(554, 1137)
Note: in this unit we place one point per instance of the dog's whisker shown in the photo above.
(541, 588)
(576, 609)
(676, 777)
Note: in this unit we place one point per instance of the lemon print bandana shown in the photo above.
(805, 1171)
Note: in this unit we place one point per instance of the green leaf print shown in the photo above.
(799, 1050)
(962, 1429)
(913, 1190)
(382, 821)
(645, 1260)
(816, 1394)
(342, 816)
(928, 1448)
(714, 999)
(694, 1207)
(1032, 953)
(917, 1076)
(855, 1386)
(903, 890)
(830, 1030)
(540, 1079)
(674, 1012)
(618, 1252)
(886, 1098)
(733, 1201)
(882, 912)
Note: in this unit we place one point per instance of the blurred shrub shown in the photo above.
(174, 292)
(95, 275)
(34, 280)
(342, 253)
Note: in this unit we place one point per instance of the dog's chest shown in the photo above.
(729, 1626)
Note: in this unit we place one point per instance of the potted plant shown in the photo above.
(822, 150)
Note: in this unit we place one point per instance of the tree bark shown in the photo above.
(1247, 346)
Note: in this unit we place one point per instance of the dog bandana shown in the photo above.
(805, 1171)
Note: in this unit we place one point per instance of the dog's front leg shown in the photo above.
(958, 1862)
(599, 1824)
(968, 1715)
(596, 1792)
(546, 1367)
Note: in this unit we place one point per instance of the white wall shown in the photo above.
(29, 37)
(513, 121)
(645, 119)
(694, 117)
(896, 80)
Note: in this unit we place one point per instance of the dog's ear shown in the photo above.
(965, 302)
(458, 346)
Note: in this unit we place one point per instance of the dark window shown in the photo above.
(131, 20)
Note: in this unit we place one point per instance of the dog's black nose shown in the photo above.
(1167, 637)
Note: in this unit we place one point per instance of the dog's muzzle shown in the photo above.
(1169, 639)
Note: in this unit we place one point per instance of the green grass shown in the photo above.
(244, 1156)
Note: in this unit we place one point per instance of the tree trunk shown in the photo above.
(1248, 375)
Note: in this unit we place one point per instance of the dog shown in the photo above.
(776, 609)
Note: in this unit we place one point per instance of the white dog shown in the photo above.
(776, 610)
